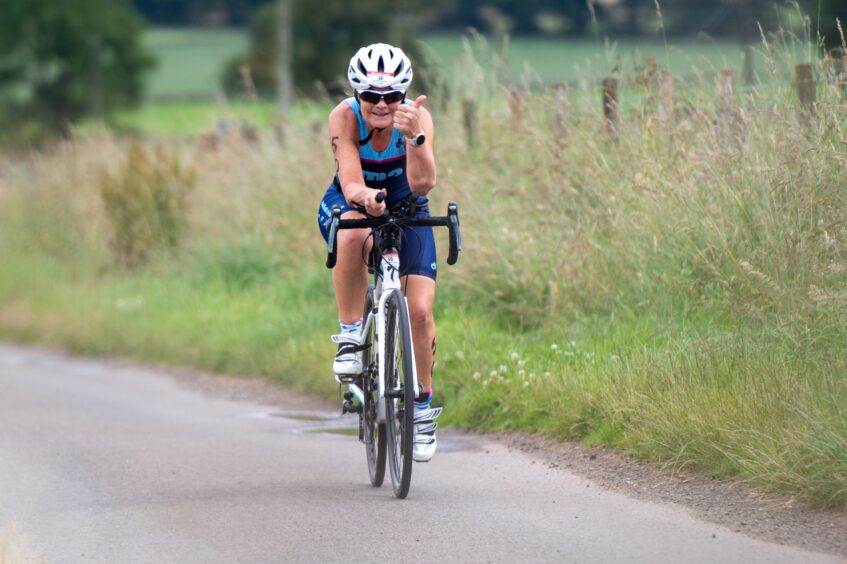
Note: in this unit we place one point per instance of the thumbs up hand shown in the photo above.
(406, 117)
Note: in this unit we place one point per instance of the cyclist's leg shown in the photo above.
(417, 263)
(350, 281)
(420, 293)
(350, 275)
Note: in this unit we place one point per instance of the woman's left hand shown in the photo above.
(406, 117)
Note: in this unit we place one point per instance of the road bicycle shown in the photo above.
(383, 394)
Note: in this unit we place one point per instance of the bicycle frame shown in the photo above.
(386, 262)
(390, 282)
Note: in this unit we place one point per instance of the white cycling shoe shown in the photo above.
(424, 446)
(348, 361)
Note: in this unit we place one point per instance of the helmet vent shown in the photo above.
(380, 65)
(399, 68)
(362, 68)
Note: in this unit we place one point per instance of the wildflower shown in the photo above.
(129, 303)
(525, 384)
(460, 355)
(492, 375)
(522, 374)
(477, 375)
(554, 346)
(514, 356)
(503, 369)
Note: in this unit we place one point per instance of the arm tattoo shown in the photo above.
(334, 142)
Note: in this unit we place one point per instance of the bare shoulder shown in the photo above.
(426, 119)
(342, 116)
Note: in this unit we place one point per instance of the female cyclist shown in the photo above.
(382, 141)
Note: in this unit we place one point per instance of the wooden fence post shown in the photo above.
(726, 85)
(666, 109)
(650, 80)
(805, 89)
(610, 105)
(516, 110)
(469, 120)
(747, 66)
(730, 122)
(562, 108)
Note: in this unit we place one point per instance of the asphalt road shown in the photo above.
(103, 461)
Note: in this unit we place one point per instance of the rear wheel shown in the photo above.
(373, 432)
(399, 393)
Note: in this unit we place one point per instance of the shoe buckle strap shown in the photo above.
(424, 439)
(349, 348)
(427, 414)
(426, 428)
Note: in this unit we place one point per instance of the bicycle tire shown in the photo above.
(399, 408)
(374, 433)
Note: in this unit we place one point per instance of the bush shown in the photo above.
(60, 61)
(146, 203)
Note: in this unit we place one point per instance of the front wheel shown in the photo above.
(396, 343)
(374, 434)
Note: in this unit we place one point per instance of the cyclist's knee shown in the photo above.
(352, 239)
(420, 314)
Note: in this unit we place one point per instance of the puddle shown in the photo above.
(346, 431)
(311, 417)
(300, 416)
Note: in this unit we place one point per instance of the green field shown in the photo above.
(184, 97)
(190, 60)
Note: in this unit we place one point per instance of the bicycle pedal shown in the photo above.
(349, 407)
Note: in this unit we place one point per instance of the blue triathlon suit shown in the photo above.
(386, 170)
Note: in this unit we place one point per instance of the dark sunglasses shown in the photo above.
(391, 97)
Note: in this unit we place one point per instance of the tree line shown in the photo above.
(567, 18)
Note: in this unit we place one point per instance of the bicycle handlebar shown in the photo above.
(450, 221)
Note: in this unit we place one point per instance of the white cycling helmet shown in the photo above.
(380, 66)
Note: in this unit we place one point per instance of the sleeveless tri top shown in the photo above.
(385, 169)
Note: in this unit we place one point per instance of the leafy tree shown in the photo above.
(190, 12)
(63, 59)
(324, 40)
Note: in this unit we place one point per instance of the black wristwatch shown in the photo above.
(417, 139)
